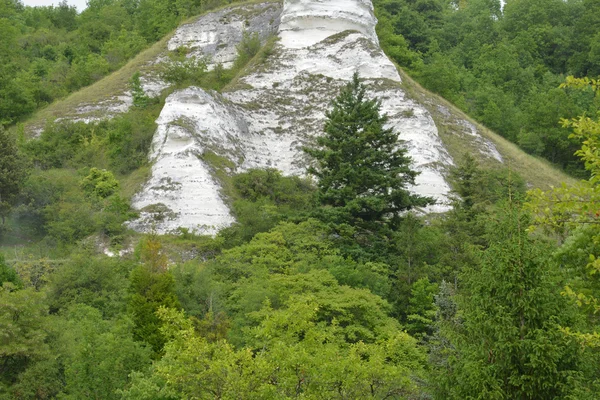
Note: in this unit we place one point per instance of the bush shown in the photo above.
(99, 183)
(270, 184)
(183, 71)
(247, 49)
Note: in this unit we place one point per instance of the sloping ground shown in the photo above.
(278, 105)
(107, 97)
(110, 95)
(456, 131)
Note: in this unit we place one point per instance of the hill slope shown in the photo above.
(277, 105)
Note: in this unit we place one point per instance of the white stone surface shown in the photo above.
(485, 146)
(216, 35)
(276, 108)
(182, 187)
(307, 22)
(111, 107)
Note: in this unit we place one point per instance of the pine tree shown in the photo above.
(362, 169)
(508, 342)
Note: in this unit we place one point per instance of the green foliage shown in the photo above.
(48, 52)
(100, 354)
(56, 205)
(362, 172)
(184, 71)
(140, 99)
(8, 274)
(151, 287)
(281, 306)
(129, 138)
(22, 316)
(565, 208)
(12, 173)
(66, 205)
(508, 341)
(100, 283)
(99, 183)
(271, 184)
(121, 143)
(262, 199)
(247, 49)
(421, 309)
(501, 65)
(291, 259)
(297, 356)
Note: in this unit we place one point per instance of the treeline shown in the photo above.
(502, 66)
(49, 52)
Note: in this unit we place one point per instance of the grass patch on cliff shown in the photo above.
(117, 83)
(222, 170)
(105, 90)
(537, 172)
(258, 60)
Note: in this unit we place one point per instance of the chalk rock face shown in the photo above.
(276, 108)
(182, 191)
(306, 22)
(216, 35)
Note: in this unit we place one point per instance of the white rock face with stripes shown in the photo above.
(279, 106)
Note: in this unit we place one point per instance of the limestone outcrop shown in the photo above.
(276, 107)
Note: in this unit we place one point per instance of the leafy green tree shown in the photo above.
(247, 48)
(23, 315)
(140, 99)
(293, 356)
(87, 280)
(421, 309)
(122, 46)
(99, 355)
(8, 274)
(12, 173)
(564, 208)
(99, 183)
(363, 173)
(151, 287)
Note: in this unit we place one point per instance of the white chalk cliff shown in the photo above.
(277, 107)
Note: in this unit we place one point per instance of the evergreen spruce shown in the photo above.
(506, 340)
(363, 170)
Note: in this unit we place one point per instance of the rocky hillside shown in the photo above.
(277, 105)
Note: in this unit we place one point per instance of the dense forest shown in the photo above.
(324, 288)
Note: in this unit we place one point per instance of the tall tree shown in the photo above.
(12, 173)
(152, 286)
(568, 207)
(508, 342)
(363, 173)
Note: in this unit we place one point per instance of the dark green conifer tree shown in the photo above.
(506, 341)
(362, 169)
